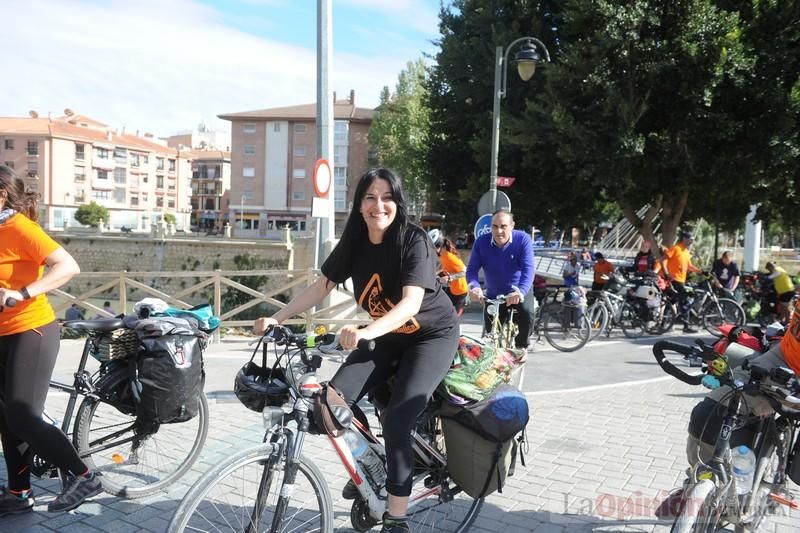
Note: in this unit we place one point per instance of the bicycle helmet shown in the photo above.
(436, 237)
(573, 297)
(257, 387)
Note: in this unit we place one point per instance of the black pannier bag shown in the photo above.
(481, 439)
(168, 373)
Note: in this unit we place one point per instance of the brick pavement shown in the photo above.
(599, 458)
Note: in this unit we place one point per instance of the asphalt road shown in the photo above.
(603, 361)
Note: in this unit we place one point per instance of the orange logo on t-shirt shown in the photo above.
(377, 305)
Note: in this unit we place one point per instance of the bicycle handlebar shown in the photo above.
(10, 302)
(283, 336)
(684, 349)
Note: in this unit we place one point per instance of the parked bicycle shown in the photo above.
(562, 322)
(710, 310)
(136, 458)
(710, 499)
(275, 487)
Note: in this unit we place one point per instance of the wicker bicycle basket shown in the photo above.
(117, 344)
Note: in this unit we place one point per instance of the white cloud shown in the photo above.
(419, 14)
(161, 66)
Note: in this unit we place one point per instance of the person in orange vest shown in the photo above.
(679, 264)
(603, 269)
(453, 271)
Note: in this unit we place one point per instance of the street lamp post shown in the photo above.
(526, 60)
(241, 221)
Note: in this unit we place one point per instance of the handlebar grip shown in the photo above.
(669, 368)
(366, 344)
(11, 302)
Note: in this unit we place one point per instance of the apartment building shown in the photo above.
(74, 159)
(211, 184)
(273, 152)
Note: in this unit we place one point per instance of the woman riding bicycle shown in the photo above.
(453, 270)
(391, 263)
(28, 350)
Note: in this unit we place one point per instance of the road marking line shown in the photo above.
(597, 387)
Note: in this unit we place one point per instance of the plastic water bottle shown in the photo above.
(367, 458)
(743, 461)
(356, 443)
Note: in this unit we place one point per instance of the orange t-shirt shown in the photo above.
(790, 343)
(452, 264)
(602, 268)
(24, 246)
(679, 261)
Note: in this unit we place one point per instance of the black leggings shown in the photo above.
(419, 365)
(26, 364)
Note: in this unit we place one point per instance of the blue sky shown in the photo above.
(166, 65)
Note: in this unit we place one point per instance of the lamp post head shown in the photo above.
(526, 59)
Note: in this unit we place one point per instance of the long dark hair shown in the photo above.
(355, 229)
(25, 202)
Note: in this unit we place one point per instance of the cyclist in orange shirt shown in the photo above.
(453, 270)
(29, 342)
(679, 264)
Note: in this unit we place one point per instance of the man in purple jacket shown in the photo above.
(506, 257)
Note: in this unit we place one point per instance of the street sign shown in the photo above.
(485, 203)
(483, 225)
(320, 207)
(322, 178)
(505, 181)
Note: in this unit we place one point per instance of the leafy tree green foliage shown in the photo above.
(169, 218)
(233, 298)
(399, 133)
(92, 214)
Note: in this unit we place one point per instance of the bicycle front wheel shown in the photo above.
(728, 312)
(598, 316)
(566, 329)
(241, 494)
(702, 509)
(135, 461)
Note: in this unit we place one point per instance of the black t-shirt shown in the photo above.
(379, 275)
(725, 274)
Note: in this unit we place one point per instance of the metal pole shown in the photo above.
(325, 108)
(498, 75)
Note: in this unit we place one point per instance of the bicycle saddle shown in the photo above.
(101, 324)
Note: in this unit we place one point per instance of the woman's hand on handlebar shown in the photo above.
(349, 336)
(262, 324)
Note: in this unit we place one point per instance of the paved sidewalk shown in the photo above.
(600, 459)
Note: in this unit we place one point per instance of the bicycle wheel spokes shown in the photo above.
(135, 460)
(566, 329)
(441, 508)
(242, 495)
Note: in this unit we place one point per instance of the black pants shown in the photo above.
(524, 315)
(459, 300)
(685, 301)
(419, 365)
(26, 364)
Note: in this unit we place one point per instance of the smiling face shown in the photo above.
(378, 209)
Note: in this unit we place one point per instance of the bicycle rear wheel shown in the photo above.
(564, 331)
(227, 498)
(728, 312)
(598, 316)
(135, 461)
(630, 321)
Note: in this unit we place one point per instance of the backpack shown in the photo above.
(168, 375)
(481, 439)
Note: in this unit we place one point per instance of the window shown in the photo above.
(9, 144)
(298, 195)
(9, 164)
(134, 160)
(145, 159)
(120, 155)
(172, 165)
(80, 195)
(340, 131)
(33, 148)
(299, 151)
(159, 201)
(340, 200)
(299, 173)
(276, 127)
(170, 184)
(340, 188)
(119, 195)
(100, 195)
(119, 175)
(144, 197)
(33, 169)
(159, 182)
(249, 149)
(340, 155)
(80, 173)
(249, 172)
(133, 181)
(299, 128)
(80, 152)
(171, 203)
(102, 174)
(159, 163)
(249, 128)
(134, 201)
(102, 153)
(248, 195)
(143, 177)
